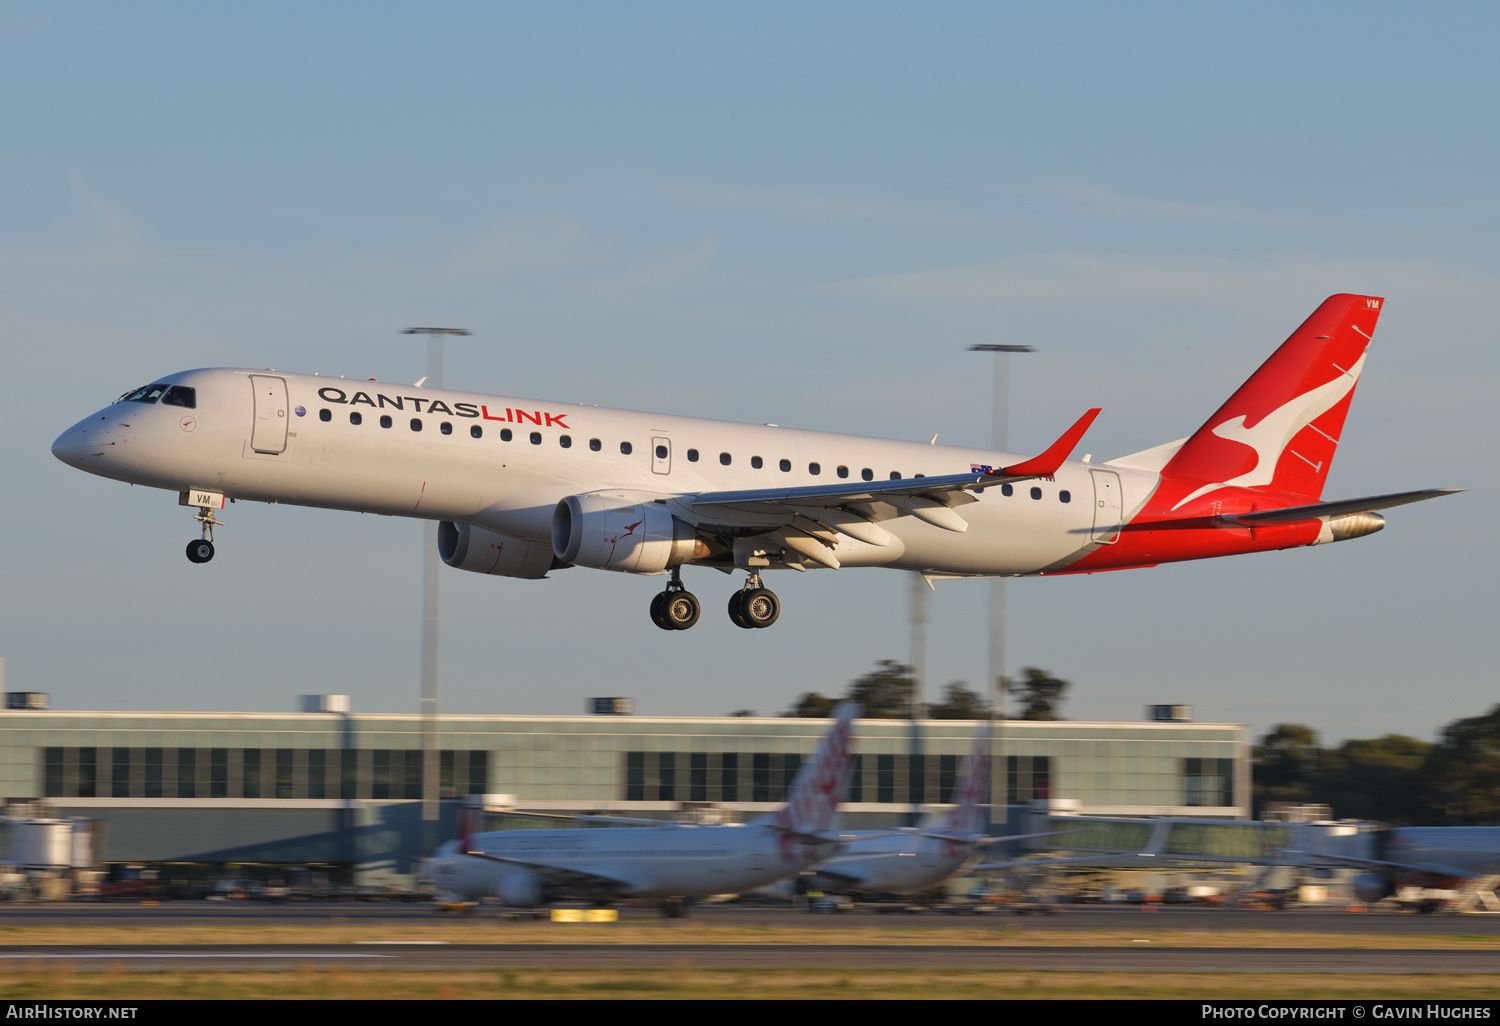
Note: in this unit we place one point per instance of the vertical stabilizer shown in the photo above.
(1281, 429)
(821, 783)
(968, 816)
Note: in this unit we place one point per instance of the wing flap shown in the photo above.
(566, 877)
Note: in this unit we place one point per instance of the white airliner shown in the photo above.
(522, 487)
(1461, 858)
(666, 863)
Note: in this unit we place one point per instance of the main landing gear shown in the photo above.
(677, 609)
(201, 550)
(754, 606)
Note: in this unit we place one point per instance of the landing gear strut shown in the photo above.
(754, 606)
(675, 609)
(201, 550)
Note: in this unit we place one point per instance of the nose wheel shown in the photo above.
(754, 606)
(201, 550)
(675, 609)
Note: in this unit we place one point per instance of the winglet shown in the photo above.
(1047, 463)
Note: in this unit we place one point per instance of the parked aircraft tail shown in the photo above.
(823, 782)
(1280, 430)
(968, 815)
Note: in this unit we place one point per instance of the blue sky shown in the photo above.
(799, 213)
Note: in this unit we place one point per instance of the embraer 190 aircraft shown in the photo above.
(522, 487)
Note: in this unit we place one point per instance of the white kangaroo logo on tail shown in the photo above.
(1277, 428)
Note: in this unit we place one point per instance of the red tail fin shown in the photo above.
(1281, 429)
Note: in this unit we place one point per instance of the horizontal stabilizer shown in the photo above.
(1341, 508)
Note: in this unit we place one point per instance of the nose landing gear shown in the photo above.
(754, 606)
(201, 550)
(675, 609)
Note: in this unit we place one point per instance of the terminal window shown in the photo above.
(766, 777)
(209, 773)
(1027, 777)
(1208, 782)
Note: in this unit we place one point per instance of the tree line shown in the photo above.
(1454, 781)
(889, 693)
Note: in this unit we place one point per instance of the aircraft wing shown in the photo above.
(559, 875)
(584, 817)
(1434, 868)
(1340, 508)
(984, 842)
(928, 498)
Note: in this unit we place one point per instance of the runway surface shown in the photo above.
(431, 957)
(388, 943)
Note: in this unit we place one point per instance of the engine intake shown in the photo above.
(1372, 887)
(604, 533)
(481, 551)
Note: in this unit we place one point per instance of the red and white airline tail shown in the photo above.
(1281, 429)
(822, 783)
(468, 819)
(968, 815)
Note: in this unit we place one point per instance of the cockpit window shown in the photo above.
(149, 394)
(181, 395)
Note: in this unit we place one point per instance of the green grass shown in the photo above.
(683, 981)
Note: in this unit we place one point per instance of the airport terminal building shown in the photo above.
(343, 790)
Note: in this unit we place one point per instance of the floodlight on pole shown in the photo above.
(999, 681)
(432, 610)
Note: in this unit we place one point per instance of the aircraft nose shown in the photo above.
(70, 445)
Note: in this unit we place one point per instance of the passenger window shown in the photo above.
(895, 475)
(786, 465)
(325, 415)
(919, 475)
(595, 444)
(475, 431)
(416, 424)
(385, 421)
(536, 438)
(842, 472)
(814, 469)
(867, 474)
(566, 441)
(1036, 493)
(692, 455)
(757, 462)
(725, 458)
(446, 428)
(1064, 496)
(505, 435)
(626, 448)
(180, 395)
(1006, 489)
(355, 418)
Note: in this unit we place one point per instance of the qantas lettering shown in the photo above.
(541, 417)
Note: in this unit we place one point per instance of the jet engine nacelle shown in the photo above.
(606, 533)
(1350, 525)
(1372, 887)
(484, 552)
(521, 890)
